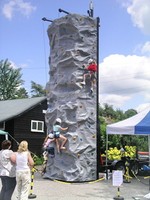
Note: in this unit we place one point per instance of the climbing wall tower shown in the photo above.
(73, 41)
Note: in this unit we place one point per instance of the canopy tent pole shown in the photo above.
(6, 136)
(4, 133)
(106, 156)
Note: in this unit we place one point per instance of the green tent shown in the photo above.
(4, 133)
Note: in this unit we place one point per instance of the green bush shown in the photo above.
(38, 160)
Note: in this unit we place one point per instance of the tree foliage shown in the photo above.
(22, 93)
(10, 80)
(11, 83)
(130, 113)
(37, 90)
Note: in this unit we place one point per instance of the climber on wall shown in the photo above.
(90, 70)
(48, 148)
(56, 136)
(49, 138)
(56, 130)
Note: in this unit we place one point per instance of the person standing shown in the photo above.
(24, 163)
(7, 171)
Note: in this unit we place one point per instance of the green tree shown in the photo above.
(103, 134)
(109, 111)
(130, 113)
(10, 80)
(37, 90)
(22, 93)
(119, 115)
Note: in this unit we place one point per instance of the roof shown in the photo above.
(12, 108)
(3, 132)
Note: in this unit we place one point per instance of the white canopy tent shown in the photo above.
(139, 124)
(4, 133)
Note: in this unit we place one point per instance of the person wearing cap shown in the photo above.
(91, 68)
(55, 135)
(56, 130)
(48, 147)
(50, 138)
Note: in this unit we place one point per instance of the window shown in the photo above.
(37, 126)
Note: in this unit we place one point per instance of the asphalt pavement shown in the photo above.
(102, 189)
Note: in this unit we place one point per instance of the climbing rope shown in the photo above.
(138, 178)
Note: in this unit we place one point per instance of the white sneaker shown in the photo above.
(83, 83)
(91, 90)
(79, 85)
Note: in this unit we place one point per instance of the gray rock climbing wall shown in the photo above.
(73, 40)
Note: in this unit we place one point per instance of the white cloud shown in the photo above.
(115, 100)
(123, 77)
(143, 49)
(23, 65)
(14, 65)
(25, 8)
(146, 48)
(142, 107)
(140, 13)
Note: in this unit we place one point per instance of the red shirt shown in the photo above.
(92, 67)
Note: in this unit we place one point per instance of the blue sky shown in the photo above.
(124, 44)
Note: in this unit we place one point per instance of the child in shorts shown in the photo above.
(56, 130)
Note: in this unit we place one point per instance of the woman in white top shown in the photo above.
(24, 162)
(7, 171)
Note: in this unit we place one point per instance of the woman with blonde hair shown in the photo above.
(24, 162)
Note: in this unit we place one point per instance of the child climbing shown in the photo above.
(91, 70)
(48, 146)
(48, 150)
(56, 130)
(50, 138)
(54, 136)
